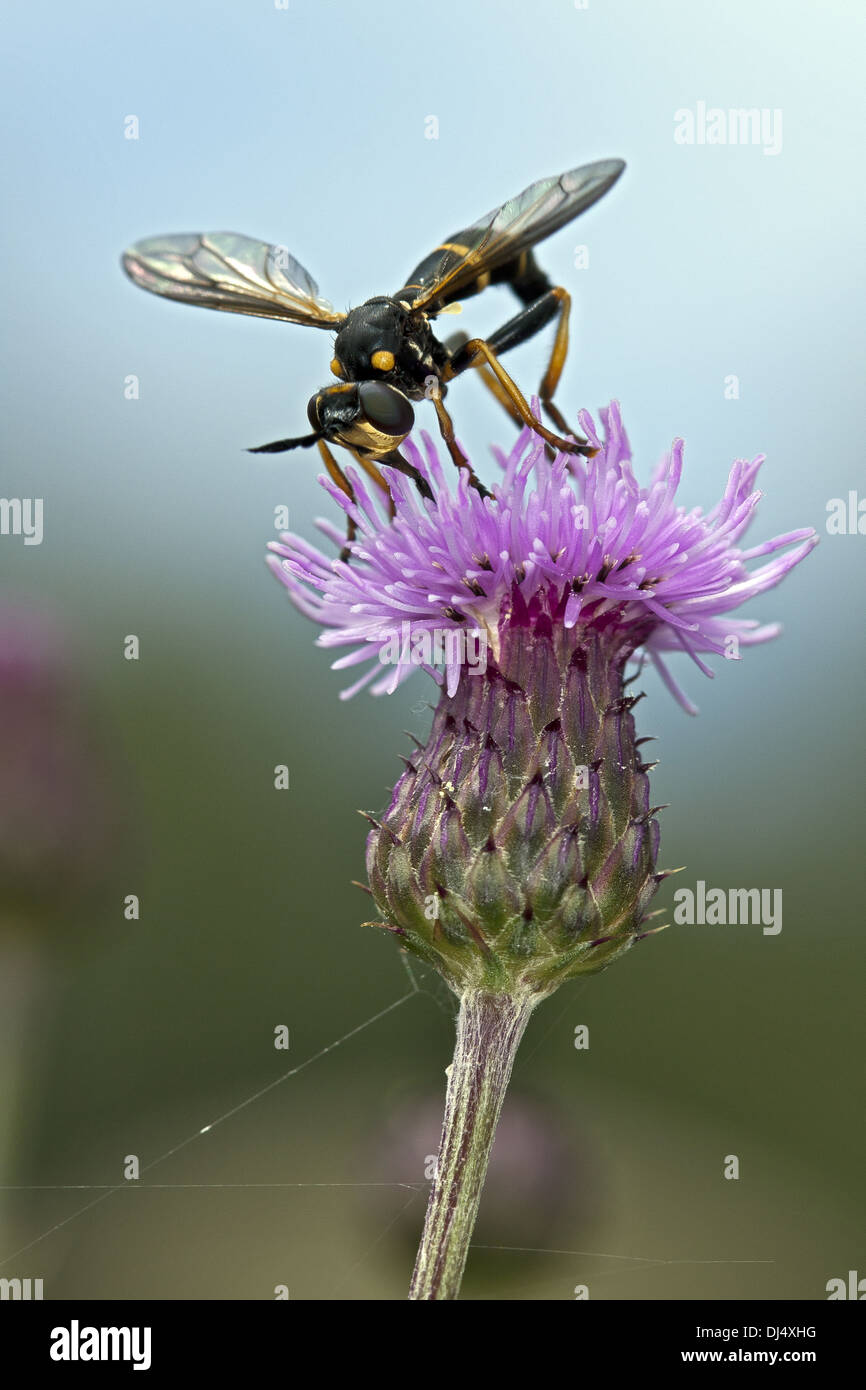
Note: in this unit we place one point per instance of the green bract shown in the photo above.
(519, 847)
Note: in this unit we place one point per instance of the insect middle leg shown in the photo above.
(479, 350)
(446, 429)
(459, 340)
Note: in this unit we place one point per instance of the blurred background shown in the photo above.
(307, 124)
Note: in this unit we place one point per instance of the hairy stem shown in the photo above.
(489, 1029)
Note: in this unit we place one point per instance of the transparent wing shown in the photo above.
(501, 235)
(223, 270)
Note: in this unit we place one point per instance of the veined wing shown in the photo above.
(501, 235)
(224, 270)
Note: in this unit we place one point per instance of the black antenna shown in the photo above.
(280, 446)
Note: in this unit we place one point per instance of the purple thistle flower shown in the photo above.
(519, 848)
(575, 541)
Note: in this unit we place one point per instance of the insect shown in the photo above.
(386, 354)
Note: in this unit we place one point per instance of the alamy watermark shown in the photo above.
(435, 646)
(715, 907)
(740, 125)
(22, 516)
(77, 1343)
(20, 1289)
(846, 516)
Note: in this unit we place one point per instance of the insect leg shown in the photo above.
(478, 351)
(492, 384)
(446, 429)
(555, 303)
(459, 340)
(396, 460)
(550, 380)
(337, 476)
(542, 302)
(373, 474)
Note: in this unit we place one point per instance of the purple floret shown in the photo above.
(573, 541)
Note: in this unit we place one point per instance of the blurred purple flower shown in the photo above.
(57, 810)
(530, 1193)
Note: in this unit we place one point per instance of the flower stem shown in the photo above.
(489, 1029)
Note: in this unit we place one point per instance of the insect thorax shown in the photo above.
(385, 326)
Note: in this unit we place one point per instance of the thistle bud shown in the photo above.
(519, 848)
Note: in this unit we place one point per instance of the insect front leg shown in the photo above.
(396, 460)
(446, 429)
(336, 474)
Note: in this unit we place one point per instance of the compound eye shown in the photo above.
(382, 360)
(313, 411)
(337, 368)
(386, 408)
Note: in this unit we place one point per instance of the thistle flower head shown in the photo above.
(573, 542)
(520, 846)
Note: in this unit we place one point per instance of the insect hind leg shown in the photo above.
(543, 302)
(559, 352)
